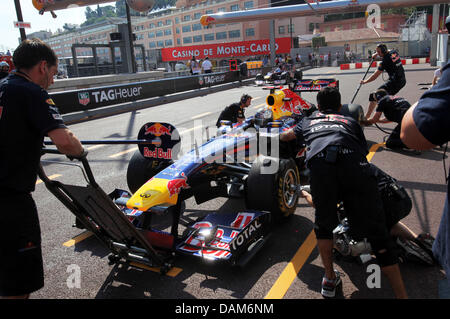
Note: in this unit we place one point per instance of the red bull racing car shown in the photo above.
(244, 160)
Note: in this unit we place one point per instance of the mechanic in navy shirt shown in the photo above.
(336, 157)
(393, 108)
(236, 111)
(392, 64)
(27, 114)
(425, 125)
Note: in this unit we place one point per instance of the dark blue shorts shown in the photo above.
(21, 267)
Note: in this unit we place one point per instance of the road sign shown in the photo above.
(19, 24)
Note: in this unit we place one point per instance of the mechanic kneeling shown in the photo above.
(393, 108)
(336, 158)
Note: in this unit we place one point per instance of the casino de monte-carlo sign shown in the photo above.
(226, 50)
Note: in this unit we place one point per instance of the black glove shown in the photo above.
(78, 157)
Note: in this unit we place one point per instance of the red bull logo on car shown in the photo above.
(157, 129)
(158, 153)
(175, 185)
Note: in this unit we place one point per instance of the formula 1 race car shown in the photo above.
(244, 160)
(283, 74)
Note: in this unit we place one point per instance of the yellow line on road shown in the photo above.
(373, 149)
(290, 272)
(50, 177)
(77, 239)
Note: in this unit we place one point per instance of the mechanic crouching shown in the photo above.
(393, 108)
(336, 158)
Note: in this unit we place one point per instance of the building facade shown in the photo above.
(179, 26)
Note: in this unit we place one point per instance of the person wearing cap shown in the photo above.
(392, 64)
(424, 126)
(393, 108)
(235, 112)
(4, 69)
(207, 66)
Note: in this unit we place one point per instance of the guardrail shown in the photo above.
(92, 98)
(97, 97)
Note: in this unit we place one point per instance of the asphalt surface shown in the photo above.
(287, 267)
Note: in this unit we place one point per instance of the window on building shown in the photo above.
(152, 45)
(197, 38)
(167, 31)
(160, 24)
(248, 5)
(168, 42)
(209, 11)
(197, 15)
(291, 28)
(196, 27)
(186, 28)
(168, 22)
(151, 25)
(234, 7)
(177, 30)
(250, 32)
(178, 42)
(159, 33)
(281, 29)
(209, 37)
(234, 34)
(187, 40)
(187, 18)
(221, 35)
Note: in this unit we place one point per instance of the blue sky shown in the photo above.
(10, 35)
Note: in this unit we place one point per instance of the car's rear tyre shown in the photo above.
(273, 191)
(141, 169)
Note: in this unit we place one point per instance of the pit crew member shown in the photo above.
(392, 64)
(393, 108)
(425, 125)
(236, 111)
(27, 114)
(336, 157)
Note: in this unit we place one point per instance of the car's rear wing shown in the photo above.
(310, 85)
